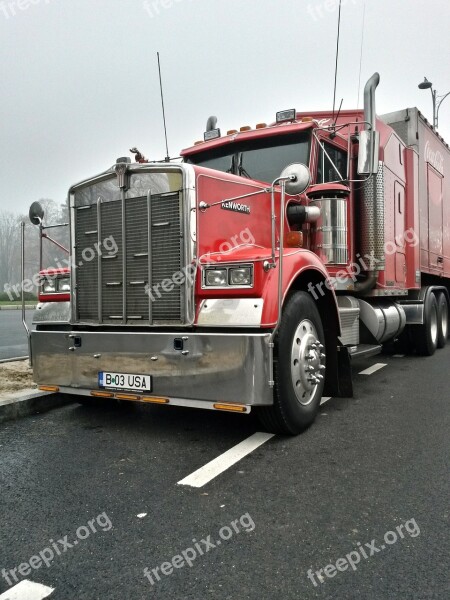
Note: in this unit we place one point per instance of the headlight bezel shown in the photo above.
(51, 285)
(228, 285)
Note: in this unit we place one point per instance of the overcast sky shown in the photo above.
(79, 79)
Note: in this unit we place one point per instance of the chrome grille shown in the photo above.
(148, 233)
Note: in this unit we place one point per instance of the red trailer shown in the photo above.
(247, 276)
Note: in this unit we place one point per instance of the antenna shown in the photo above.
(167, 159)
(337, 57)
(361, 56)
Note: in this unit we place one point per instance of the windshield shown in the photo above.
(262, 159)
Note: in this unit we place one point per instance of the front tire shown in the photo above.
(299, 368)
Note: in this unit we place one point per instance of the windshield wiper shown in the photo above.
(241, 170)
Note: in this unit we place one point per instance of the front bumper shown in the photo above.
(209, 367)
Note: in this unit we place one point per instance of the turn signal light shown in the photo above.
(231, 407)
(294, 239)
(49, 388)
(102, 394)
(127, 397)
(155, 400)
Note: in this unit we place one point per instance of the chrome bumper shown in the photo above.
(229, 368)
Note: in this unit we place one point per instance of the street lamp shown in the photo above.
(437, 100)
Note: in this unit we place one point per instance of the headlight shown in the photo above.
(49, 286)
(216, 277)
(227, 277)
(241, 276)
(64, 284)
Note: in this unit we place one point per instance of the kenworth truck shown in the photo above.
(248, 275)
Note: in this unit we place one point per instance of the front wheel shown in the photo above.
(299, 368)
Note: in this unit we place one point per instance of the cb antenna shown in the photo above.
(167, 159)
(337, 57)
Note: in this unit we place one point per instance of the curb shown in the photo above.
(16, 359)
(17, 406)
(18, 307)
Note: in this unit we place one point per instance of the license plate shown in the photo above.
(125, 381)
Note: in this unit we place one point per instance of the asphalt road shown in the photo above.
(13, 338)
(368, 466)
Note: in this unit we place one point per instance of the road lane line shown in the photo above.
(223, 462)
(373, 369)
(27, 590)
(325, 399)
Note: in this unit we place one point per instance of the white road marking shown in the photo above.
(398, 356)
(373, 369)
(141, 515)
(27, 590)
(325, 399)
(223, 462)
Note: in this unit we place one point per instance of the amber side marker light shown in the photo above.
(294, 239)
(231, 407)
(128, 397)
(49, 388)
(102, 394)
(155, 400)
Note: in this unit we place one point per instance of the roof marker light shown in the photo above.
(261, 126)
(232, 131)
(286, 115)
(246, 128)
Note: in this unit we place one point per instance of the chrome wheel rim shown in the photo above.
(307, 362)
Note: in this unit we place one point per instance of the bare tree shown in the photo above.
(9, 241)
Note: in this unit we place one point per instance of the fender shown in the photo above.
(302, 270)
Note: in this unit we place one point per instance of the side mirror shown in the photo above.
(369, 149)
(36, 213)
(300, 178)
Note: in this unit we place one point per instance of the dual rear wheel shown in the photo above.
(433, 333)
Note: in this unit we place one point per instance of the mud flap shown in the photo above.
(339, 383)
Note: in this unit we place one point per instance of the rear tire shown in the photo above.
(299, 368)
(442, 305)
(426, 336)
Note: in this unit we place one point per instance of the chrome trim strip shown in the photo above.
(149, 254)
(124, 259)
(99, 261)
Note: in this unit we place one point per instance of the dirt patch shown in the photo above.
(15, 376)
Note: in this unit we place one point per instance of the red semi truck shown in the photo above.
(248, 275)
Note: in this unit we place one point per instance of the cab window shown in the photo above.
(332, 161)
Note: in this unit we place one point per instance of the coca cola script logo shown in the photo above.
(435, 158)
